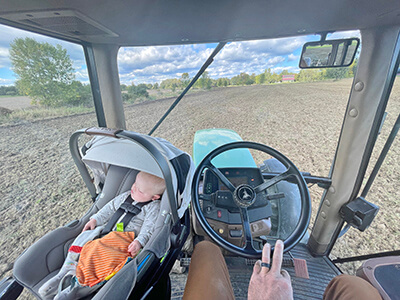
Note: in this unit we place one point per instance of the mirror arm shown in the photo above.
(345, 50)
(344, 54)
(332, 57)
(323, 35)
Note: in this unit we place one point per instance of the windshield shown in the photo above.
(254, 88)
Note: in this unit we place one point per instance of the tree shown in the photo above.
(44, 71)
(337, 73)
(8, 90)
(171, 83)
(285, 72)
(353, 68)
(79, 94)
(268, 75)
(260, 78)
(275, 78)
(204, 82)
(243, 79)
(185, 79)
(136, 92)
(309, 75)
(222, 82)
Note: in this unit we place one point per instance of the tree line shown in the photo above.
(45, 74)
(8, 90)
(267, 77)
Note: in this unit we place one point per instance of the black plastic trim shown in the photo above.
(94, 84)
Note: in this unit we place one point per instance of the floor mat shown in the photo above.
(320, 270)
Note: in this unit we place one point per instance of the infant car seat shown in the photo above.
(115, 158)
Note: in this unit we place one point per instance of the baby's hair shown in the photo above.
(157, 182)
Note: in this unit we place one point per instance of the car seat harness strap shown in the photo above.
(129, 209)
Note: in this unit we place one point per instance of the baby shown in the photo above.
(147, 188)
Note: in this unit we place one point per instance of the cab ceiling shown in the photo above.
(164, 22)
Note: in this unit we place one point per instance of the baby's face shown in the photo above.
(141, 191)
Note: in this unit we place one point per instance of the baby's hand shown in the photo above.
(90, 225)
(134, 248)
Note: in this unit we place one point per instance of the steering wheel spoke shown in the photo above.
(220, 176)
(274, 180)
(206, 197)
(246, 230)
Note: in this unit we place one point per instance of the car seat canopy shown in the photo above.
(105, 151)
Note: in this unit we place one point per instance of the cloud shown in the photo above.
(344, 34)
(82, 76)
(5, 81)
(282, 46)
(139, 63)
(151, 64)
(256, 56)
(167, 59)
(4, 58)
(260, 50)
(292, 57)
(275, 60)
(280, 69)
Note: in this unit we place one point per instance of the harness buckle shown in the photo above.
(129, 207)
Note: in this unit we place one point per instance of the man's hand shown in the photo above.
(90, 225)
(270, 283)
(134, 248)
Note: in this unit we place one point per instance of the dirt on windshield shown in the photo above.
(40, 188)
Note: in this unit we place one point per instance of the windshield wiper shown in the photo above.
(199, 73)
(382, 156)
(322, 182)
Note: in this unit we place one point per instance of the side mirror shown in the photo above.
(329, 53)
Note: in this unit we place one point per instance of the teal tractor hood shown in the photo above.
(206, 140)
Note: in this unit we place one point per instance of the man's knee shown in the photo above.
(350, 287)
(206, 246)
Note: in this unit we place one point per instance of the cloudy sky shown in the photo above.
(154, 64)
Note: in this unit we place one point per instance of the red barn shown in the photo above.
(287, 78)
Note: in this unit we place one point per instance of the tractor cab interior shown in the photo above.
(242, 194)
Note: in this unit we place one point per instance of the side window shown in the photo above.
(41, 78)
(44, 97)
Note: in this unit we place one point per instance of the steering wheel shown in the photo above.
(243, 201)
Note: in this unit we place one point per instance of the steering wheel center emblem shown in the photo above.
(244, 195)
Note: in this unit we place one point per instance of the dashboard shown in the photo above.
(220, 210)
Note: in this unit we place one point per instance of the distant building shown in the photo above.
(287, 78)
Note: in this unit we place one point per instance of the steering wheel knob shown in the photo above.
(244, 195)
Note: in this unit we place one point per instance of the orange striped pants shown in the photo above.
(100, 259)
